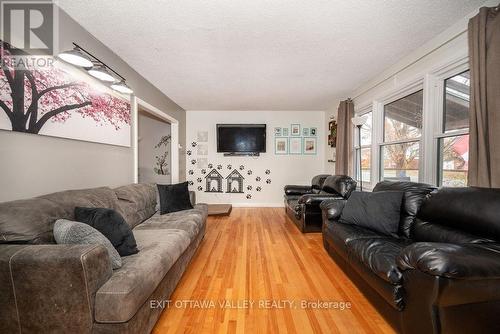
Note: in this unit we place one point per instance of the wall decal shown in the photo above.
(58, 100)
(249, 196)
(310, 145)
(161, 160)
(200, 188)
(202, 136)
(242, 167)
(214, 182)
(295, 130)
(203, 171)
(268, 181)
(257, 179)
(295, 145)
(258, 188)
(268, 171)
(234, 182)
(219, 167)
(249, 188)
(190, 183)
(210, 166)
(249, 172)
(199, 180)
(229, 167)
(194, 144)
(191, 172)
(189, 153)
(193, 162)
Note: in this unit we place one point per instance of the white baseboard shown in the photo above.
(258, 205)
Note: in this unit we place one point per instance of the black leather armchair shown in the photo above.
(441, 274)
(302, 203)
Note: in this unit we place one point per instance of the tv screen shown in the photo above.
(241, 138)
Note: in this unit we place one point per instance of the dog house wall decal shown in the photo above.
(234, 182)
(214, 182)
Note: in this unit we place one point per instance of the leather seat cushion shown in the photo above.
(379, 255)
(342, 234)
(131, 285)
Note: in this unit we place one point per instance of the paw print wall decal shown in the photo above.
(249, 188)
(242, 167)
(203, 171)
(219, 167)
(189, 152)
(249, 196)
(249, 172)
(200, 188)
(268, 171)
(193, 162)
(193, 144)
(199, 179)
(190, 183)
(268, 181)
(258, 188)
(210, 166)
(257, 179)
(229, 166)
(191, 172)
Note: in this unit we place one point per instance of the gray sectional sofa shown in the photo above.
(45, 287)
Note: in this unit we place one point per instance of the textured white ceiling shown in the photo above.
(263, 54)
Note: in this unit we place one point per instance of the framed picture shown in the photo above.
(284, 132)
(295, 130)
(313, 132)
(281, 145)
(305, 132)
(309, 146)
(295, 145)
(277, 132)
(332, 136)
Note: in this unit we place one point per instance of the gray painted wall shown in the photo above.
(32, 165)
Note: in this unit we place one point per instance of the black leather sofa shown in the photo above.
(302, 202)
(442, 275)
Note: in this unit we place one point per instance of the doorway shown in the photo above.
(156, 145)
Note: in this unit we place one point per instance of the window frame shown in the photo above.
(357, 148)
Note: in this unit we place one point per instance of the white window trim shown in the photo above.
(360, 111)
(432, 83)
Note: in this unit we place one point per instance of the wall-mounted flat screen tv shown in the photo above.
(241, 138)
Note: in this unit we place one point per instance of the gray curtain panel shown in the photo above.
(484, 58)
(344, 150)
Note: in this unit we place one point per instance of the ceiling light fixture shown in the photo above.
(76, 57)
(122, 87)
(101, 72)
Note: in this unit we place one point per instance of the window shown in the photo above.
(453, 142)
(364, 151)
(400, 151)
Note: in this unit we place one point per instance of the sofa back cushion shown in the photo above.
(470, 210)
(32, 220)
(317, 182)
(414, 195)
(137, 202)
(341, 185)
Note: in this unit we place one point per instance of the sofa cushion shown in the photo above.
(414, 195)
(137, 202)
(174, 197)
(379, 255)
(377, 211)
(342, 185)
(131, 285)
(29, 220)
(190, 221)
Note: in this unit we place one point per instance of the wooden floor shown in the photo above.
(257, 255)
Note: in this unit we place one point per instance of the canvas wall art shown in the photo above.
(61, 101)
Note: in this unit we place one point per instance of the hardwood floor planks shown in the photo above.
(257, 254)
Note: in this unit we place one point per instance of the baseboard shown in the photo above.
(258, 205)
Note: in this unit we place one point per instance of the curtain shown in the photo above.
(344, 149)
(484, 139)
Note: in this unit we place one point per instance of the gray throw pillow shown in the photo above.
(70, 232)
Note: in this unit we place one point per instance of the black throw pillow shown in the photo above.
(112, 225)
(378, 211)
(174, 197)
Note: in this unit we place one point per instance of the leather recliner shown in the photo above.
(442, 273)
(302, 202)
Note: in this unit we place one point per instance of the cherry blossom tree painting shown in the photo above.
(52, 101)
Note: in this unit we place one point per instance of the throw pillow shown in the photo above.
(379, 211)
(174, 197)
(75, 233)
(112, 225)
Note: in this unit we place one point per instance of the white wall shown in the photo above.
(285, 169)
(150, 132)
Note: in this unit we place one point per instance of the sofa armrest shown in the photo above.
(291, 190)
(192, 197)
(332, 208)
(54, 286)
(316, 199)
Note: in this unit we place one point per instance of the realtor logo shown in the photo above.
(29, 26)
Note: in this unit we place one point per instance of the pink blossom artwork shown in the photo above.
(60, 101)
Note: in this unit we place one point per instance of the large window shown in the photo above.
(363, 151)
(400, 151)
(454, 137)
